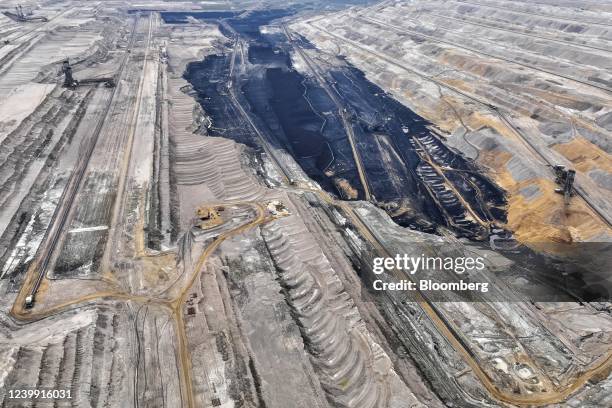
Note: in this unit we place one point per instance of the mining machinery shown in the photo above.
(71, 82)
(22, 17)
(565, 179)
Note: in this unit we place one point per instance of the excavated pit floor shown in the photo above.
(304, 121)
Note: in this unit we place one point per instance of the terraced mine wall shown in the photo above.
(207, 78)
(180, 17)
(581, 275)
(402, 154)
(488, 75)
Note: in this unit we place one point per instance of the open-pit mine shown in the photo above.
(305, 204)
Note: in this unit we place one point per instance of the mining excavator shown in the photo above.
(565, 179)
(71, 82)
(22, 17)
